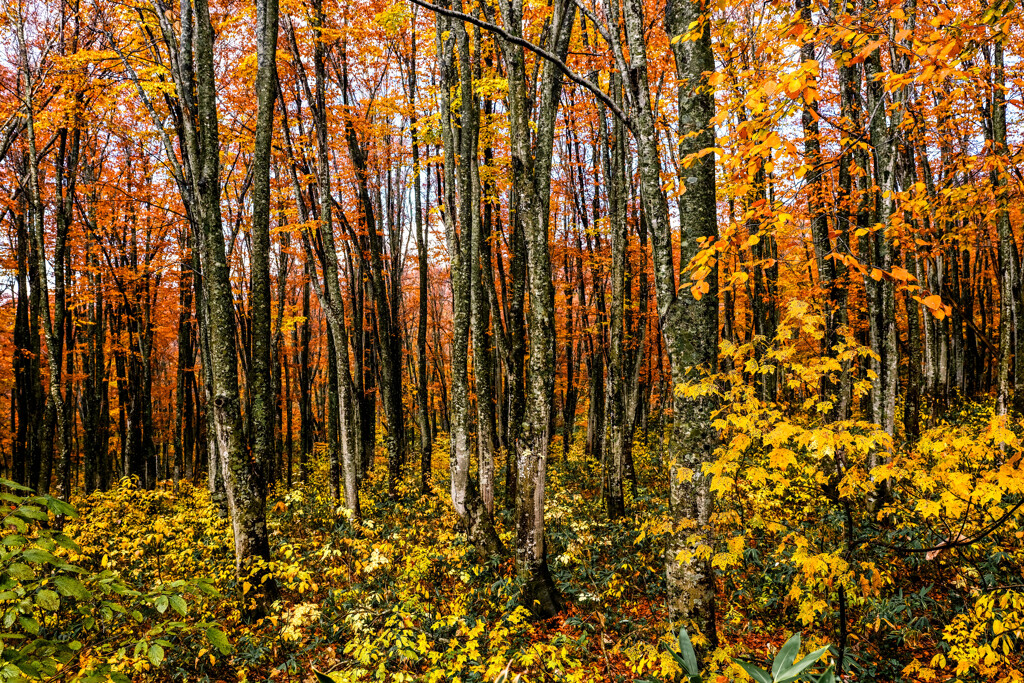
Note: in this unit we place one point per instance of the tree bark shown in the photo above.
(461, 211)
(261, 385)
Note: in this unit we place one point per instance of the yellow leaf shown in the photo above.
(902, 274)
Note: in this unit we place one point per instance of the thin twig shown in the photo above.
(539, 51)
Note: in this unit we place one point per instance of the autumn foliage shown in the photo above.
(496, 341)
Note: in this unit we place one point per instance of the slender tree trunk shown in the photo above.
(422, 387)
(689, 324)
(1008, 265)
(461, 213)
(483, 380)
(50, 330)
(244, 493)
(26, 379)
(614, 156)
(261, 386)
(329, 293)
(531, 168)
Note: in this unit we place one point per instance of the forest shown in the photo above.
(511, 341)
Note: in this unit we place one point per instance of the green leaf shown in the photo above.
(16, 540)
(29, 624)
(829, 675)
(72, 587)
(48, 600)
(178, 604)
(29, 512)
(21, 571)
(218, 639)
(13, 485)
(29, 668)
(678, 657)
(61, 508)
(689, 656)
(66, 542)
(786, 656)
(38, 556)
(758, 674)
(793, 672)
(161, 603)
(155, 654)
(322, 678)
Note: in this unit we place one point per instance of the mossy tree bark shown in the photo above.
(461, 212)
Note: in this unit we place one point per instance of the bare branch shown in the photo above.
(539, 51)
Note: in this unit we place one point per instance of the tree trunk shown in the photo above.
(531, 176)
(261, 385)
(461, 219)
(422, 387)
(1008, 265)
(614, 157)
(244, 493)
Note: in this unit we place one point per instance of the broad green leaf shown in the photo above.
(678, 657)
(178, 604)
(786, 655)
(829, 676)
(793, 672)
(29, 624)
(60, 507)
(48, 600)
(21, 571)
(66, 542)
(155, 654)
(14, 485)
(218, 639)
(29, 668)
(72, 588)
(39, 556)
(161, 603)
(29, 512)
(689, 656)
(758, 674)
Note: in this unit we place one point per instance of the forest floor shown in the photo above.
(404, 598)
(143, 586)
